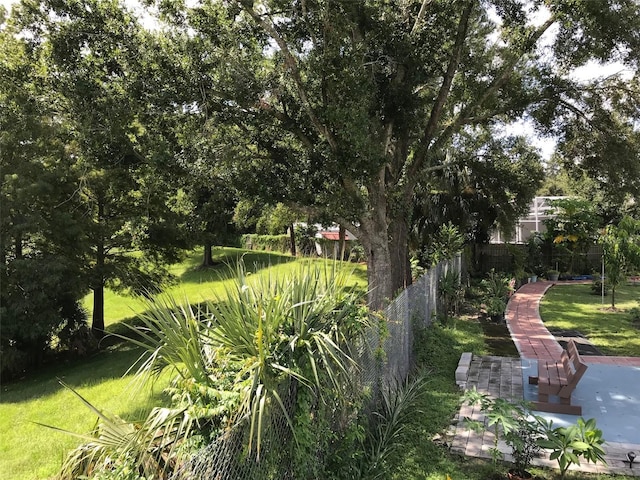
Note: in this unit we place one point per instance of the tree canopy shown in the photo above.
(352, 107)
(366, 111)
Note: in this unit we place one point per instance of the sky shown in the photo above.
(6, 3)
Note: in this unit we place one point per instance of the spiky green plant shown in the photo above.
(397, 410)
(236, 356)
(233, 359)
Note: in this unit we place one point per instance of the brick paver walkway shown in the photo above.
(531, 337)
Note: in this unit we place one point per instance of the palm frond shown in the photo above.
(150, 446)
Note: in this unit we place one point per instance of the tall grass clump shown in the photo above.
(269, 348)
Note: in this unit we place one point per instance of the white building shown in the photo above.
(539, 210)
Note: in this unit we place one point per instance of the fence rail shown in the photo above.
(416, 306)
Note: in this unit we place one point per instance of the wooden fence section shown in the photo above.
(500, 256)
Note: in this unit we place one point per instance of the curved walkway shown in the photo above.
(531, 337)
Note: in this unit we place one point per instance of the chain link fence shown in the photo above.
(384, 359)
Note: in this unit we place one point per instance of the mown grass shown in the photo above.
(193, 281)
(29, 451)
(573, 307)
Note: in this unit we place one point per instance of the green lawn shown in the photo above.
(193, 282)
(29, 451)
(573, 307)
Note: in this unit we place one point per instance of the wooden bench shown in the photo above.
(559, 379)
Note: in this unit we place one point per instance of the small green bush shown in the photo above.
(497, 285)
(596, 286)
(451, 292)
(357, 253)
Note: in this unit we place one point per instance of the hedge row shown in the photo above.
(270, 243)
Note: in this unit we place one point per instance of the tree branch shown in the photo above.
(292, 66)
(426, 144)
(578, 112)
(445, 88)
(292, 127)
(421, 13)
(349, 225)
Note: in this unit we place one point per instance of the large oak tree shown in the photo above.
(349, 106)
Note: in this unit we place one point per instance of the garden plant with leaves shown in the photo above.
(505, 417)
(497, 288)
(569, 444)
(621, 252)
(239, 362)
(451, 293)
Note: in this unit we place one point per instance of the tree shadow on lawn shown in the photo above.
(110, 363)
(225, 264)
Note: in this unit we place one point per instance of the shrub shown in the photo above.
(451, 292)
(596, 286)
(447, 242)
(510, 421)
(568, 444)
(270, 243)
(497, 285)
(39, 310)
(306, 239)
(357, 253)
(267, 350)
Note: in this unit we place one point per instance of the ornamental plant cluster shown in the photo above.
(497, 288)
(267, 349)
(528, 435)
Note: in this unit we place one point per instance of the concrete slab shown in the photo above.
(608, 393)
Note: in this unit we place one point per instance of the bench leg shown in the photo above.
(545, 406)
(562, 405)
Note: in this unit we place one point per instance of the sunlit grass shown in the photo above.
(198, 284)
(29, 451)
(573, 307)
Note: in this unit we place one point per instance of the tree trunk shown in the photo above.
(292, 239)
(378, 269)
(385, 235)
(399, 250)
(97, 323)
(18, 246)
(342, 235)
(613, 296)
(207, 257)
